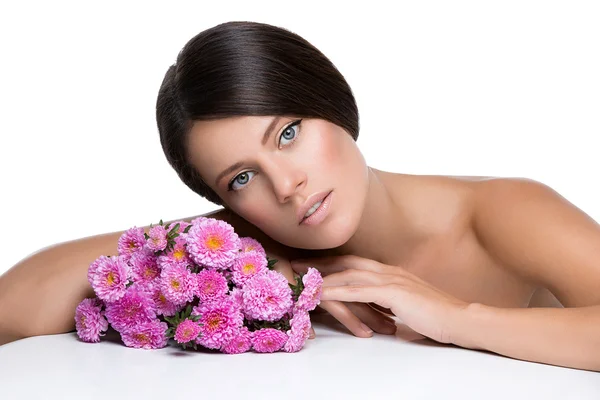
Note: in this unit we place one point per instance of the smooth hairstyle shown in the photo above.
(246, 69)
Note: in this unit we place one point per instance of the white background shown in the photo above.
(455, 88)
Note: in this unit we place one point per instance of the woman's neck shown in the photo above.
(386, 231)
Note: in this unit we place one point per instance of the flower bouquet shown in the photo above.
(198, 284)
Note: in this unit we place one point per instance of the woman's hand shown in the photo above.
(424, 308)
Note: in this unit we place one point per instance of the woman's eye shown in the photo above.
(289, 133)
(240, 180)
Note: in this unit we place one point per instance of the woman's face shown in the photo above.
(266, 169)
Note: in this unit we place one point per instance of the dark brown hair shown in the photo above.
(246, 69)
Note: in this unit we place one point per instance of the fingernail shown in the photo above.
(366, 328)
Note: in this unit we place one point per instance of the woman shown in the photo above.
(257, 120)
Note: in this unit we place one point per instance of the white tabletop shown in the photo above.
(335, 365)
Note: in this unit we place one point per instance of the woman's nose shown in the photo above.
(287, 180)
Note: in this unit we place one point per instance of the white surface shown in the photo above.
(335, 365)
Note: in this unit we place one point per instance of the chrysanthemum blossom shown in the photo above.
(176, 257)
(187, 331)
(182, 226)
(163, 306)
(213, 243)
(246, 266)
(177, 284)
(248, 245)
(89, 321)
(237, 296)
(131, 241)
(135, 308)
(94, 267)
(147, 335)
(144, 266)
(311, 294)
(158, 238)
(267, 296)
(220, 321)
(298, 333)
(111, 278)
(241, 342)
(210, 285)
(268, 340)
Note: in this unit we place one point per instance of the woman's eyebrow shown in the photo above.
(269, 130)
(266, 136)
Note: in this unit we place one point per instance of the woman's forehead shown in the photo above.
(215, 144)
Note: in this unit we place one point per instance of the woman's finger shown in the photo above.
(381, 295)
(343, 314)
(373, 318)
(358, 277)
(330, 265)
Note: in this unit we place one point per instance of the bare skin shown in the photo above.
(469, 251)
(447, 249)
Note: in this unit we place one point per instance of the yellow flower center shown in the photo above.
(175, 284)
(82, 321)
(149, 273)
(132, 245)
(250, 248)
(142, 337)
(162, 298)
(248, 269)
(110, 279)
(214, 242)
(214, 322)
(178, 254)
(208, 288)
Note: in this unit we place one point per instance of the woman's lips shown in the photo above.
(321, 213)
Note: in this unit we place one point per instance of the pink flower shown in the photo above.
(111, 277)
(178, 285)
(163, 306)
(248, 245)
(298, 333)
(131, 241)
(89, 321)
(211, 285)
(187, 331)
(135, 308)
(267, 296)
(144, 266)
(219, 322)
(311, 294)
(176, 257)
(182, 226)
(237, 296)
(241, 342)
(268, 340)
(158, 238)
(247, 265)
(93, 268)
(147, 335)
(213, 243)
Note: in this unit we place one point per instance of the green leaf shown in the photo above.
(271, 262)
(187, 229)
(161, 223)
(146, 236)
(175, 229)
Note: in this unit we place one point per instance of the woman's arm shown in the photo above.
(38, 295)
(548, 241)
